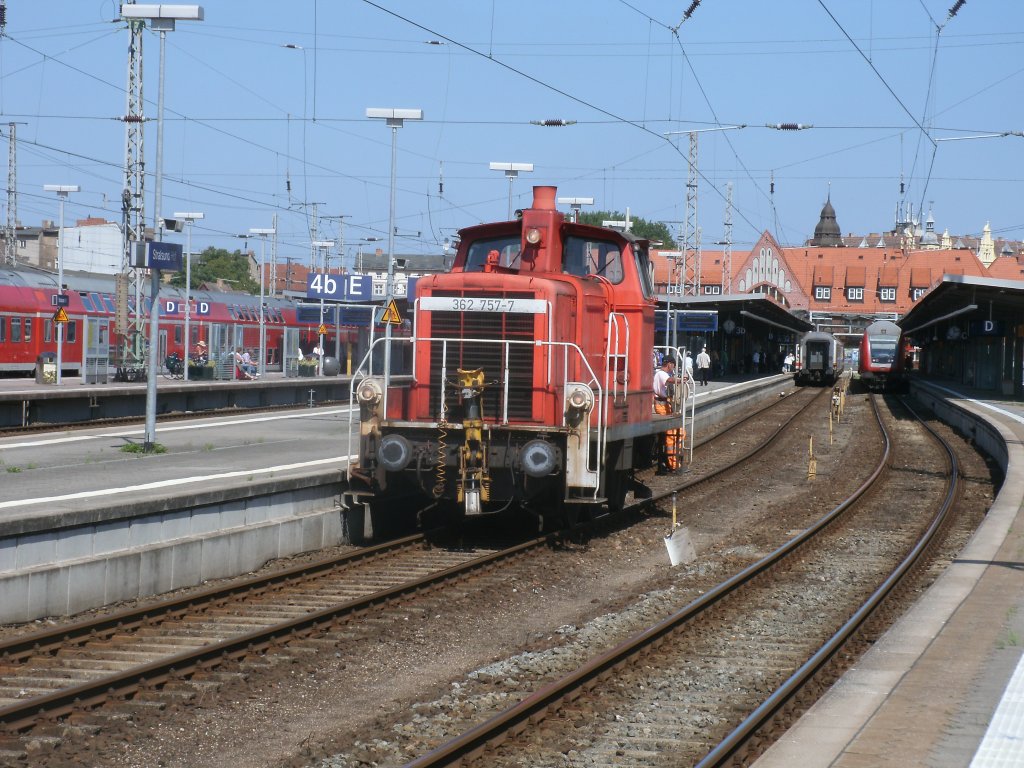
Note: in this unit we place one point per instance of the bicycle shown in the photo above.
(174, 366)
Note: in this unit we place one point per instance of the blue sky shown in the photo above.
(254, 128)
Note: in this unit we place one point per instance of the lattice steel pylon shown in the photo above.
(691, 256)
(727, 242)
(10, 243)
(130, 325)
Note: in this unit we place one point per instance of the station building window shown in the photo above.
(917, 293)
(887, 294)
(855, 294)
(822, 293)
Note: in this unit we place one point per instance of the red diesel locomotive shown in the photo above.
(531, 379)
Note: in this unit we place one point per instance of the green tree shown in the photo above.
(215, 264)
(655, 231)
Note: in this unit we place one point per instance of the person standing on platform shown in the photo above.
(703, 366)
(665, 381)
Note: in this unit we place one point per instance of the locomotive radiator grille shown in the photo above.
(463, 352)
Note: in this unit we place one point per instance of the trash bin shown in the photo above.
(331, 366)
(46, 368)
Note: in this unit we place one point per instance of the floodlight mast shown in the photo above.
(263, 232)
(62, 190)
(325, 268)
(395, 119)
(189, 217)
(162, 19)
(576, 203)
(511, 171)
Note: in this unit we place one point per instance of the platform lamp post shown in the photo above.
(321, 246)
(162, 19)
(395, 119)
(189, 217)
(263, 232)
(511, 171)
(62, 190)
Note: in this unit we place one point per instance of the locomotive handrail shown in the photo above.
(613, 343)
(362, 372)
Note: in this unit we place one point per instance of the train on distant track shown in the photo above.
(223, 320)
(884, 359)
(531, 386)
(819, 359)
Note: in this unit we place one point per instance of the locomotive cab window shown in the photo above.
(583, 257)
(508, 248)
(645, 269)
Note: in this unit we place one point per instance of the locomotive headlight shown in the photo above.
(369, 392)
(580, 397)
(538, 458)
(533, 236)
(394, 453)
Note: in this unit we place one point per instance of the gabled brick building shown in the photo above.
(841, 288)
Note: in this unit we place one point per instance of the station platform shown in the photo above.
(26, 402)
(944, 687)
(84, 523)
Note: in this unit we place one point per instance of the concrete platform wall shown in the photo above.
(63, 571)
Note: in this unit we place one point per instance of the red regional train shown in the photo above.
(884, 353)
(531, 386)
(224, 320)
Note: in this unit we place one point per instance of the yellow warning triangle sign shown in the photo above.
(391, 316)
(322, 331)
(60, 316)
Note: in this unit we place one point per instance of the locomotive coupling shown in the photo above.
(474, 481)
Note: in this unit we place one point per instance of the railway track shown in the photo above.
(713, 683)
(49, 676)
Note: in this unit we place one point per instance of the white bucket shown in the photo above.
(679, 546)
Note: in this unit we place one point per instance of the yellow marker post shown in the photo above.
(812, 464)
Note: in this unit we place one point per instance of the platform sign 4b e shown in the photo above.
(339, 287)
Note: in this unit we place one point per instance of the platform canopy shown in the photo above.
(964, 301)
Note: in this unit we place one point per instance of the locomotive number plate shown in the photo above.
(483, 304)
